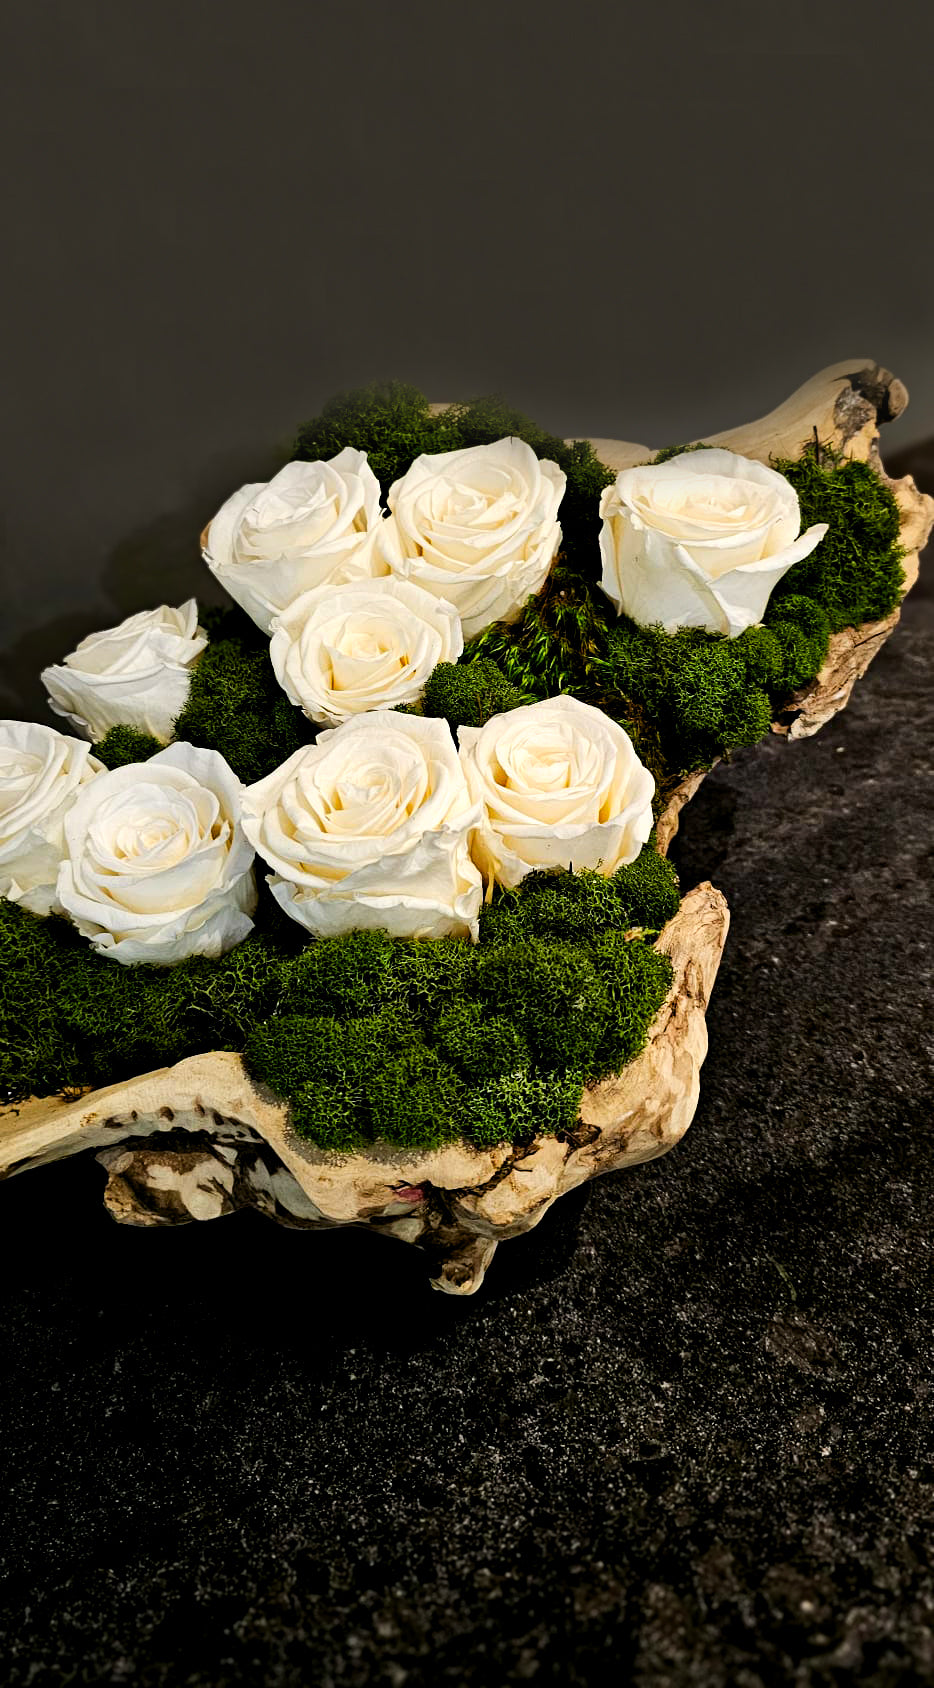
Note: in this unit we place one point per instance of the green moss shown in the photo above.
(123, 745)
(516, 1107)
(466, 695)
(636, 979)
(236, 705)
(416, 1100)
(327, 1116)
(669, 451)
(553, 992)
(479, 1044)
(430, 973)
(349, 976)
(706, 694)
(802, 632)
(579, 906)
(293, 1050)
(856, 573)
(390, 421)
(367, 1036)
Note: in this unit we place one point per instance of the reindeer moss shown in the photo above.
(235, 703)
(856, 573)
(367, 1036)
(467, 695)
(124, 744)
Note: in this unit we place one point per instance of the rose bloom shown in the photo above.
(559, 785)
(157, 867)
(339, 651)
(478, 527)
(134, 675)
(369, 827)
(700, 541)
(312, 523)
(41, 773)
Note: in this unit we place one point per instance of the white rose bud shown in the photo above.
(339, 651)
(41, 773)
(700, 541)
(157, 867)
(312, 523)
(369, 827)
(134, 675)
(478, 527)
(559, 785)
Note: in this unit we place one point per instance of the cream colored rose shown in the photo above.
(369, 827)
(312, 523)
(134, 675)
(700, 541)
(157, 867)
(41, 773)
(559, 785)
(478, 527)
(372, 644)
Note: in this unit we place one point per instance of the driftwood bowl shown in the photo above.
(200, 1139)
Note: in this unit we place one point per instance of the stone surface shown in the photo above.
(199, 1140)
(683, 1439)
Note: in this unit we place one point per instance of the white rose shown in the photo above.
(157, 867)
(369, 827)
(341, 650)
(478, 527)
(559, 785)
(700, 541)
(312, 523)
(134, 675)
(41, 772)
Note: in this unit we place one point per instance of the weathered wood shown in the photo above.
(846, 404)
(200, 1139)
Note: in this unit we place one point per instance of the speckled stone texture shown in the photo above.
(683, 1435)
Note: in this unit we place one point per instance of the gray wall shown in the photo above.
(224, 212)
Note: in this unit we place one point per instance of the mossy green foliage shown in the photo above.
(856, 573)
(393, 424)
(235, 703)
(467, 695)
(369, 1037)
(124, 744)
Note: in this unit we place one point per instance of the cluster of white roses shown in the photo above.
(382, 822)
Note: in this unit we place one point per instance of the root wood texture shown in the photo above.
(200, 1139)
(846, 404)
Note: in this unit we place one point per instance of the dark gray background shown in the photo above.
(641, 221)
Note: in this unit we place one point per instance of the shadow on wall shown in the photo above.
(161, 564)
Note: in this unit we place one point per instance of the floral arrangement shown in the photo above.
(386, 827)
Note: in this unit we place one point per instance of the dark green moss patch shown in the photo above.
(235, 703)
(367, 1036)
(123, 745)
(856, 573)
(467, 695)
